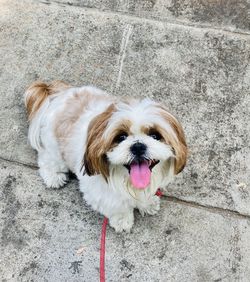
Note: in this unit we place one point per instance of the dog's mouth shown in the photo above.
(140, 172)
(150, 163)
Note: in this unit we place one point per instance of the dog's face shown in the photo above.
(135, 138)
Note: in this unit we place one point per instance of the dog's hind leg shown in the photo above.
(52, 169)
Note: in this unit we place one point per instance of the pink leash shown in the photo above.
(102, 247)
(102, 250)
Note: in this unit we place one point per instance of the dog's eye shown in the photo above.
(121, 137)
(156, 135)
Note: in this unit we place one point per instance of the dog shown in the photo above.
(121, 150)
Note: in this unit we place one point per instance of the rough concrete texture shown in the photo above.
(192, 55)
(51, 235)
(224, 14)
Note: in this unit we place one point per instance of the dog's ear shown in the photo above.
(96, 165)
(95, 159)
(176, 138)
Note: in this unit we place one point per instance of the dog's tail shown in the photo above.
(37, 101)
(38, 92)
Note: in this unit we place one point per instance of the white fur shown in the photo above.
(117, 198)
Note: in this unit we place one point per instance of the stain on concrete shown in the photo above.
(126, 265)
(168, 235)
(50, 207)
(30, 267)
(223, 12)
(12, 232)
(203, 273)
(235, 254)
(75, 266)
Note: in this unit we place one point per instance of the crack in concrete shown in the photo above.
(125, 38)
(168, 198)
(136, 17)
(212, 209)
(32, 166)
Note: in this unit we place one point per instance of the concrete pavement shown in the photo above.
(195, 58)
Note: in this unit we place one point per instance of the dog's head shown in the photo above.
(135, 137)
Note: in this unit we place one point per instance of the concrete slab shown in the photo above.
(202, 74)
(228, 15)
(51, 235)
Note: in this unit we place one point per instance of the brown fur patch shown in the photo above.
(65, 121)
(37, 93)
(95, 160)
(73, 109)
(179, 145)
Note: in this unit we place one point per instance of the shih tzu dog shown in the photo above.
(121, 151)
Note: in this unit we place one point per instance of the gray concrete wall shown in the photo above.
(193, 56)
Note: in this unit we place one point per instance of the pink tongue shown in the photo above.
(140, 175)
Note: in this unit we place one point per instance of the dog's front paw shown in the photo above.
(151, 207)
(122, 221)
(53, 179)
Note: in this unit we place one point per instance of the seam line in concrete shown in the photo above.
(32, 166)
(136, 17)
(169, 198)
(212, 209)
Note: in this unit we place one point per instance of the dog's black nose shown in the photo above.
(138, 149)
